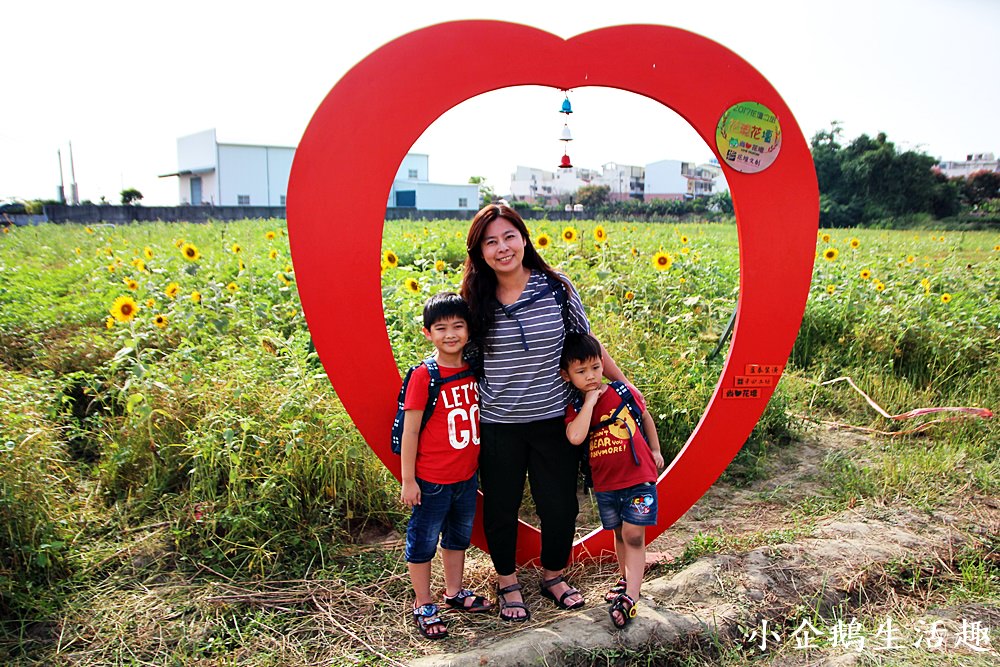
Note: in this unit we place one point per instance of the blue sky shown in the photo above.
(123, 80)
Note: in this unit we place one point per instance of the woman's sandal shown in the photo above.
(560, 602)
(616, 590)
(426, 617)
(458, 601)
(504, 605)
(625, 606)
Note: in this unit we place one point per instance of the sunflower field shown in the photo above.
(159, 378)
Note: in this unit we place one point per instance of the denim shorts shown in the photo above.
(635, 505)
(445, 511)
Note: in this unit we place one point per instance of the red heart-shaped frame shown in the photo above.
(349, 154)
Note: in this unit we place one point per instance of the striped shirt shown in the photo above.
(523, 385)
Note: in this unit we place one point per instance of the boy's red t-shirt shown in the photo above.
(611, 464)
(448, 449)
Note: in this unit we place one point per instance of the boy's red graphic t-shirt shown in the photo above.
(611, 462)
(448, 449)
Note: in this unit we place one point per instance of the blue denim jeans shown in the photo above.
(445, 511)
(636, 505)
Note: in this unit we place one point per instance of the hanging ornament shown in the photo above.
(567, 108)
(566, 137)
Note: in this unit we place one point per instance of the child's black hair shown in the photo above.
(579, 347)
(445, 305)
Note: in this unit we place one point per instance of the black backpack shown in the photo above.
(433, 391)
(627, 402)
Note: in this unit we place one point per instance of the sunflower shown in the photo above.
(150, 302)
(272, 254)
(599, 234)
(131, 283)
(996, 248)
(160, 321)
(830, 254)
(242, 266)
(685, 240)
(139, 264)
(196, 296)
(232, 287)
(76, 250)
(283, 278)
(629, 295)
(390, 259)
(865, 274)
(178, 242)
(190, 252)
(543, 240)
(172, 290)
(236, 248)
(124, 308)
(111, 268)
(439, 265)
(879, 285)
(945, 298)
(109, 322)
(825, 238)
(910, 259)
(88, 230)
(147, 252)
(412, 285)
(269, 235)
(685, 250)
(855, 244)
(830, 289)
(925, 283)
(569, 234)
(288, 268)
(662, 261)
(635, 252)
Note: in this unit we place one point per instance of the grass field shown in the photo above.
(162, 410)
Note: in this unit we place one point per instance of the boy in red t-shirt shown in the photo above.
(623, 464)
(439, 465)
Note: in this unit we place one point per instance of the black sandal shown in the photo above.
(561, 600)
(457, 601)
(504, 605)
(427, 617)
(616, 590)
(625, 606)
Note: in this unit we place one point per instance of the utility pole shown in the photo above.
(61, 191)
(74, 193)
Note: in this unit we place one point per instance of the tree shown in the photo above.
(980, 186)
(592, 196)
(486, 193)
(130, 196)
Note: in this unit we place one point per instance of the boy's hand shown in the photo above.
(410, 495)
(590, 397)
(658, 459)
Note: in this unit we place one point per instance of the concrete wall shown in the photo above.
(126, 214)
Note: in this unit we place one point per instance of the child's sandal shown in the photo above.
(458, 601)
(426, 617)
(616, 590)
(625, 606)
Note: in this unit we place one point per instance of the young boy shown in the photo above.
(623, 464)
(439, 464)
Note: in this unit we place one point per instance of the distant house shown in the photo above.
(544, 187)
(973, 162)
(225, 174)
(673, 179)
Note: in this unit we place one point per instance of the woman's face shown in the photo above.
(502, 246)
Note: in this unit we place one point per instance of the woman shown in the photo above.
(521, 310)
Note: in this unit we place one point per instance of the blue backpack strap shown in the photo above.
(627, 402)
(397, 423)
(433, 389)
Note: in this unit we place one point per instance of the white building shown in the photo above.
(973, 162)
(412, 189)
(673, 179)
(624, 180)
(543, 187)
(223, 174)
